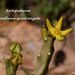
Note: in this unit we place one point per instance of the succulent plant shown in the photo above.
(15, 60)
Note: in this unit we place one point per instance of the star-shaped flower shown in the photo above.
(56, 30)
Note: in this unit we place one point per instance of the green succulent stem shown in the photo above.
(44, 58)
(10, 68)
(15, 60)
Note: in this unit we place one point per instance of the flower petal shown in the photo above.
(13, 60)
(59, 23)
(65, 32)
(58, 37)
(49, 26)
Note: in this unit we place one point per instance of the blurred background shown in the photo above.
(27, 33)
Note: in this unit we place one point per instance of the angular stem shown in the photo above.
(44, 58)
(15, 60)
(10, 68)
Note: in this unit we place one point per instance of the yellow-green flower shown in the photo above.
(56, 30)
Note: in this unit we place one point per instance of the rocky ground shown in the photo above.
(29, 36)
